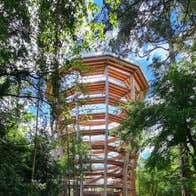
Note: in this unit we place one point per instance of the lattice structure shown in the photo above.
(109, 82)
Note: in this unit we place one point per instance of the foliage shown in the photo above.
(16, 161)
(169, 117)
(37, 39)
(129, 130)
(158, 182)
(170, 111)
(74, 163)
(47, 169)
(14, 169)
(162, 179)
(140, 33)
(174, 112)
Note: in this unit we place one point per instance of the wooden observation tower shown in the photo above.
(109, 82)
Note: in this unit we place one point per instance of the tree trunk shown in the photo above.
(185, 171)
(35, 142)
(133, 177)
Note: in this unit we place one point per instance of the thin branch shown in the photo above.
(24, 96)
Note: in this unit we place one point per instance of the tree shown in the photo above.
(14, 168)
(13, 145)
(170, 116)
(175, 36)
(47, 179)
(131, 139)
(37, 38)
(156, 181)
(140, 31)
(16, 147)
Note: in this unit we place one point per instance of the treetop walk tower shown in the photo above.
(107, 82)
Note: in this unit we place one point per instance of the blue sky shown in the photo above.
(143, 63)
(99, 2)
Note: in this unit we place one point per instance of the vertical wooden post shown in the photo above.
(132, 161)
(77, 140)
(106, 129)
(125, 174)
(132, 177)
(77, 119)
(133, 89)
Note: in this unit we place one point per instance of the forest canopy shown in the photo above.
(40, 38)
